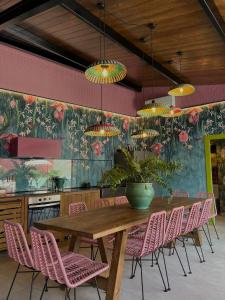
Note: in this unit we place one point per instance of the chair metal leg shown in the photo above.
(14, 278)
(160, 271)
(175, 249)
(132, 268)
(97, 289)
(188, 262)
(209, 234)
(31, 286)
(44, 288)
(201, 260)
(95, 255)
(210, 245)
(67, 293)
(92, 252)
(152, 264)
(142, 283)
(74, 294)
(217, 235)
(167, 277)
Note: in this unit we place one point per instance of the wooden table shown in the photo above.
(99, 223)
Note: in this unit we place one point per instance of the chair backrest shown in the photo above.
(209, 196)
(76, 208)
(121, 200)
(155, 233)
(17, 246)
(205, 212)
(174, 225)
(47, 257)
(99, 203)
(180, 193)
(193, 218)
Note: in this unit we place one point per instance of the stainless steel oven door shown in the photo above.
(42, 211)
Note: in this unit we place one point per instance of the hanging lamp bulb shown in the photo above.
(182, 89)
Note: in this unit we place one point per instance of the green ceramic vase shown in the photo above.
(140, 195)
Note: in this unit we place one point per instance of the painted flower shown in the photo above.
(29, 99)
(156, 148)
(126, 124)
(193, 118)
(2, 119)
(13, 104)
(97, 147)
(108, 114)
(59, 106)
(183, 136)
(59, 115)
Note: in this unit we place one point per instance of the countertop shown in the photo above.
(46, 192)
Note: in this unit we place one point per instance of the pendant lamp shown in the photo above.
(152, 109)
(102, 129)
(105, 71)
(144, 133)
(182, 89)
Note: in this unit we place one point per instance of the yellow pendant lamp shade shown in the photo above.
(106, 71)
(183, 89)
(144, 133)
(174, 112)
(102, 130)
(153, 110)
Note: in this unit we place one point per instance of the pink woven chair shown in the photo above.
(70, 270)
(213, 211)
(180, 193)
(75, 209)
(121, 200)
(19, 251)
(189, 224)
(100, 203)
(204, 219)
(153, 240)
(173, 230)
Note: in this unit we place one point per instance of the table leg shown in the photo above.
(197, 236)
(117, 266)
(74, 243)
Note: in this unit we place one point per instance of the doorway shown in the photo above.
(215, 168)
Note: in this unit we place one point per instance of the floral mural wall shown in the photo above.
(26, 115)
(182, 139)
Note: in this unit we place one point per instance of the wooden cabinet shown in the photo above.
(88, 196)
(12, 209)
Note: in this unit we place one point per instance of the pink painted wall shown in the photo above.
(26, 73)
(203, 94)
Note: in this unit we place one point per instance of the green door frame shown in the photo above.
(207, 140)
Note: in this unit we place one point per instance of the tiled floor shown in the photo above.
(206, 283)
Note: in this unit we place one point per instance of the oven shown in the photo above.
(43, 207)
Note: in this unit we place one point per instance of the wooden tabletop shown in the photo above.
(104, 221)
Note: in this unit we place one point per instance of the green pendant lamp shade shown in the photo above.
(144, 133)
(183, 89)
(102, 130)
(153, 110)
(106, 71)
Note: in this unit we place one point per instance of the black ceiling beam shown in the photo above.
(85, 15)
(28, 41)
(23, 10)
(214, 15)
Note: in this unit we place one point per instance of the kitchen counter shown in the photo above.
(48, 192)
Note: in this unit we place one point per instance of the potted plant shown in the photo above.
(139, 177)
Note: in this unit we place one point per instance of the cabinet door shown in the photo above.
(90, 197)
(68, 198)
(12, 210)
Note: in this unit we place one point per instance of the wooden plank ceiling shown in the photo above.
(181, 26)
